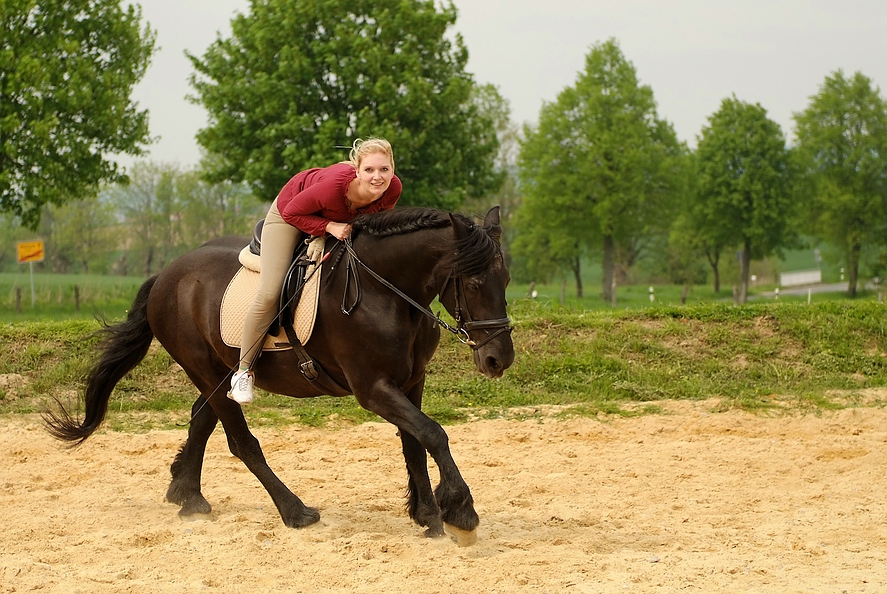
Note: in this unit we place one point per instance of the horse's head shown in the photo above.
(475, 296)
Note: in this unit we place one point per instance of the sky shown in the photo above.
(692, 53)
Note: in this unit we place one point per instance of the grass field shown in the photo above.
(109, 297)
(773, 358)
(54, 296)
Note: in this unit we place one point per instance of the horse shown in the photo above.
(396, 263)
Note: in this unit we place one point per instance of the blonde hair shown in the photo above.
(361, 148)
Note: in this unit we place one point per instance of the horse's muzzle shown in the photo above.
(495, 356)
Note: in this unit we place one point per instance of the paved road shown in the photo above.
(820, 288)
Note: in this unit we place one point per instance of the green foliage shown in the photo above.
(67, 69)
(744, 186)
(842, 142)
(300, 79)
(601, 171)
(165, 212)
(79, 233)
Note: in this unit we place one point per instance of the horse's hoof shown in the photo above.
(304, 517)
(433, 532)
(463, 538)
(195, 505)
(194, 516)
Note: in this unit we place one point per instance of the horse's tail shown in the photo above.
(123, 347)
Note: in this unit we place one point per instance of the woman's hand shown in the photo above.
(338, 230)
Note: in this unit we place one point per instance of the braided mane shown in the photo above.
(401, 220)
(471, 255)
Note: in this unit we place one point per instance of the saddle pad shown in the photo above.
(243, 287)
(238, 297)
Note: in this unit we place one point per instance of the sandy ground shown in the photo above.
(682, 502)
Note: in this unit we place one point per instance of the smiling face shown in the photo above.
(374, 173)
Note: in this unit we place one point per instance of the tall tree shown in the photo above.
(149, 209)
(67, 69)
(744, 193)
(79, 234)
(206, 211)
(603, 156)
(300, 79)
(842, 142)
(507, 197)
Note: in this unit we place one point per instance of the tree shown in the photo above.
(206, 211)
(79, 233)
(603, 157)
(493, 105)
(148, 208)
(744, 184)
(842, 142)
(67, 69)
(299, 79)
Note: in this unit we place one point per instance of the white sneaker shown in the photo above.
(242, 387)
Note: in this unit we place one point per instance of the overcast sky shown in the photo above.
(693, 53)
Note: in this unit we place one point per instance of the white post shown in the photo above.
(33, 299)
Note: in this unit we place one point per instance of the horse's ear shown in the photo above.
(459, 228)
(492, 217)
(491, 224)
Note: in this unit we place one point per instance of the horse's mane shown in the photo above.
(470, 255)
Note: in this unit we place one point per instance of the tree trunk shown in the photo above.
(853, 269)
(609, 258)
(149, 260)
(577, 274)
(745, 268)
(713, 260)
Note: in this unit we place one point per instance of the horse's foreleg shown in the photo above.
(245, 446)
(421, 504)
(452, 494)
(186, 469)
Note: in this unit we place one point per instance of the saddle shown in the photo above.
(294, 322)
(304, 269)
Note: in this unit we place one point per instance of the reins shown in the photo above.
(462, 327)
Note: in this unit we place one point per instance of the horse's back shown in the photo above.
(186, 299)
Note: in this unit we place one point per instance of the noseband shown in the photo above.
(463, 326)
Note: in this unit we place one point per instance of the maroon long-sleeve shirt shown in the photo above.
(314, 197)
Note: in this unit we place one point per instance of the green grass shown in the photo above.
(53, 298)
(771, 358)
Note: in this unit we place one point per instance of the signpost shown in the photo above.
(30, 252)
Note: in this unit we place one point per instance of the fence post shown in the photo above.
(76, 299)
(18, 300)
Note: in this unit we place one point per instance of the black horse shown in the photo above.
(400, 260)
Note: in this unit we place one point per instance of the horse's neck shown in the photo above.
(410, 261)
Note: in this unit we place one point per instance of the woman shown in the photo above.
(313, 202)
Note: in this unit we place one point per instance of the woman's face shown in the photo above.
(374, 174)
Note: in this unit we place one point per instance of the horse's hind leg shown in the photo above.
(245, 446)
(186, 469)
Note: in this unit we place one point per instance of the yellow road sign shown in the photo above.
(30, 251)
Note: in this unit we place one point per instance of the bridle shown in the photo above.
(464, 325)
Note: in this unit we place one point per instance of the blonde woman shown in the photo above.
(314, 202)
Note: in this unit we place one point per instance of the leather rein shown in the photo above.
(463, 326)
